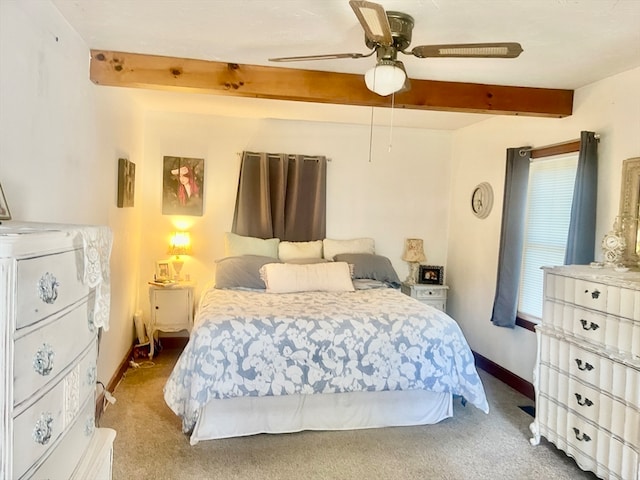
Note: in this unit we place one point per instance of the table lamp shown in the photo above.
(180, 244)
(413, 255)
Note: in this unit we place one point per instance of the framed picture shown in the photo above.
(431, 274)
(126, 182)
(163, 270)
(4, 207)
(182, 186)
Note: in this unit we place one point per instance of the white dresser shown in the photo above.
(587, 375)
(53, 299)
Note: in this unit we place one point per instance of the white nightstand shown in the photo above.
(434, 295)
(171, 310)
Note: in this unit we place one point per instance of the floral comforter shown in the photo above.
(252, 343)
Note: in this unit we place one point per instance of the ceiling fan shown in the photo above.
(387, 33)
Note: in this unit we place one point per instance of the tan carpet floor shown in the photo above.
(469, 446)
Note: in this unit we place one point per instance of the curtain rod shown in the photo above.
(239, 154)
(522, 151)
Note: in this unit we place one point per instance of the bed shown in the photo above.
(312, 350)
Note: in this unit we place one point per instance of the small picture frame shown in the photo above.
(431, 275)
(163, 270)
(5, 214)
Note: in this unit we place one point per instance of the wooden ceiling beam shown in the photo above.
(202, 76)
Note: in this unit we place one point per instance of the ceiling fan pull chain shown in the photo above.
(370, 134)
(393, 101)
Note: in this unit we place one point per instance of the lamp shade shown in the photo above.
(180, 244)
(385, 79)
(413, 250)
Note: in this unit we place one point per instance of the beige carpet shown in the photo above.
(471, 445)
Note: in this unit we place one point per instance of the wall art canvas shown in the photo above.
(182, 186)
(126, 182)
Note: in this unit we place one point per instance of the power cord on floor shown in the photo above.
(108, 397)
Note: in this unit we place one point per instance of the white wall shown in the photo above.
(610, 108)
(60, 139)
(399, 194)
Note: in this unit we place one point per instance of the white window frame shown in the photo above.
(559, 152)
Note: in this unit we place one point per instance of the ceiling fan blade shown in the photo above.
(328, 56)
(374, 20)
(469, 50)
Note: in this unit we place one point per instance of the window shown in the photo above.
(548, 212)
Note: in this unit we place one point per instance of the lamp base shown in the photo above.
(177, 268)
(413, 273)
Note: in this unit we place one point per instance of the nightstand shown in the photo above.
(434, 295)
(171, 310)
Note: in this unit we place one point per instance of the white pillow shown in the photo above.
(237, 245)
(295, 250)
(355, 245)
(291, 277)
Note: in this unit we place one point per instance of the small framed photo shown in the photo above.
(431, 275)
(163, 271)
(4, 207)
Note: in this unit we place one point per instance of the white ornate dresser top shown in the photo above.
(630, 279)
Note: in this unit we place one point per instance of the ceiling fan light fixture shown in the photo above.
(385, 79)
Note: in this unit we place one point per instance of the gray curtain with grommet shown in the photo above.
(281, 196)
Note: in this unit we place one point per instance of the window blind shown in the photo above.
(549, 198)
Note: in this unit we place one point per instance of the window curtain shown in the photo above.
(281, 196)
(582, 226)
(505, 305)
(581, 241)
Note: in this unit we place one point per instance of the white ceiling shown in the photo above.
(567, 44)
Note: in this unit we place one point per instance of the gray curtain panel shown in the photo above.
(581, 241)
(505, 305)
(281, 196)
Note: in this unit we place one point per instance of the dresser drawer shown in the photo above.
(593, 448)
(65, 456)
(609, 331)
(47, 284)
(44, 353)
(613, 415)
(430, 293)
(38, 428)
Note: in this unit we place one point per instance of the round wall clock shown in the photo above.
(482, 200)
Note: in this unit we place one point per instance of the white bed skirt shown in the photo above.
(337, 411)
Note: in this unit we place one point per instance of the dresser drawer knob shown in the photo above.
(592, 325)
(584, 403)
(584, 365)
(43, 360)
(43, 429)
(92, 375)
(595, 294)
(48, 288)
(581, 437)
(91, 324)
(89, 426)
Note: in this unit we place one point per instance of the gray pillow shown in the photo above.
(241, 271)
(369, 265)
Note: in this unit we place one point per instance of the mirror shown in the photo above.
(630, 210)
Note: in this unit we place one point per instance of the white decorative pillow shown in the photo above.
(355, 245)
(295, 250)
(291, 277)
(237, 245)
